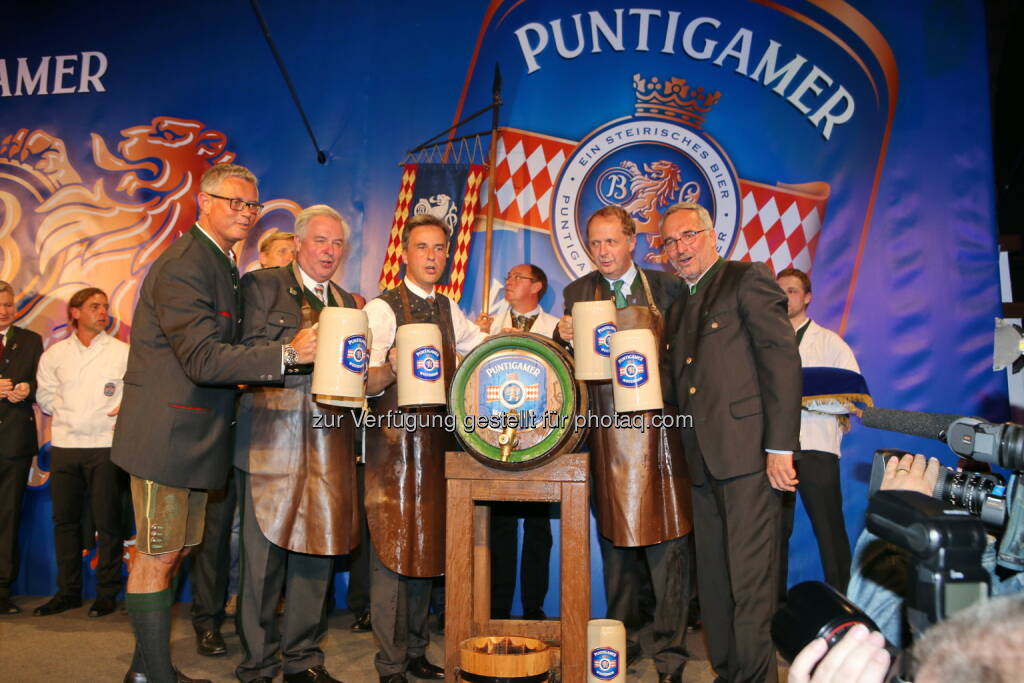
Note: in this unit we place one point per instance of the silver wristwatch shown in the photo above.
(290, 355)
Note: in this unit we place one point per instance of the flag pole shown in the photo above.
(489, 225)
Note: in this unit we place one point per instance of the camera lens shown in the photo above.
(965, 490)
(814, 610)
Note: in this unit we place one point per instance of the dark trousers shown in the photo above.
(819, 488)
(13, 479)
(266, 568)
(74, 474)
(736, 526)
(211, 560)
(358, 597)
(399, 606)
(666, 570)
(534, 567)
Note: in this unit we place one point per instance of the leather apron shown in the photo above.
(303, 478)
(641, 488)
(405, 484)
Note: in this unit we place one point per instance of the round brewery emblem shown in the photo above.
(643, 165)
(353, 353)
(426, 363)
(604, 663)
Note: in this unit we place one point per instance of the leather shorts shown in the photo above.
(167, 518)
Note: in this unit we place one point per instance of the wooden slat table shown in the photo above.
(468, 556)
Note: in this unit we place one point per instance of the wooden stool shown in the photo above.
(468, 554)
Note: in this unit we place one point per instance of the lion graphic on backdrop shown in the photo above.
(74, 234)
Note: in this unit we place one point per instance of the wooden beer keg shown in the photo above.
(515, 401)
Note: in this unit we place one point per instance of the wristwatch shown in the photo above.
(290, 355)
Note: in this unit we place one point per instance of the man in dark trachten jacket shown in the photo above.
(173, 434)
(733, 362)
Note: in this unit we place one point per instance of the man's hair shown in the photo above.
(702, 214)
(218, 173)
(424, 219)
(612, 211)
(78, 300)
(980, 644)
(6, 287)
(309, 213)
(267, 243)
(799, 275)
(540, 276)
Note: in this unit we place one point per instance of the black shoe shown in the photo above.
(670, 678)
(362, 623)
(534, 615)
(8, 607)
(136, 677)
(56, 605)
(316, 674)
(421, 668)
(394, 678)
(210, 644)
(102, 607)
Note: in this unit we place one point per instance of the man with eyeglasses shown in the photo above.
(640, 489)
(525, 285)
(733, 365)
(173, 433)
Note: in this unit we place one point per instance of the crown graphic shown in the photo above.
(673, 99)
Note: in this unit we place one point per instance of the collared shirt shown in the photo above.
(79, 385)
(5, 333)
(309, 283)
(695, 285)
(383, 324)
(628, 278)
(819, 427)
(230, 254)
(545, 323)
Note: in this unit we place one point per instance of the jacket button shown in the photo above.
(693, 390)
(714, 325)
(689, 360)
(281, 321)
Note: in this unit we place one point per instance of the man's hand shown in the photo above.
(484, 322)
(393, 360)
(18, 393)
(565, 328)
(5, 387)
(859, 657)
(115, 411)
(911, 473)
(781, 474)
(305, 345)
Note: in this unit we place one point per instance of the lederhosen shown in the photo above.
(641, 489)
(304, 479)
(405, 486)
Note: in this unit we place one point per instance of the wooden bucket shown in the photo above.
(504, 659)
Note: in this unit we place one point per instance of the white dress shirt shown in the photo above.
(545, 323)
(628, 278)
(819, 428)
(383, 325)
(79, 385)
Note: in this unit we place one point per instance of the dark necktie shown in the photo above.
(523, 322)
(2, 347)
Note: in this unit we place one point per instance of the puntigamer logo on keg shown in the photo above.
(426, 363)
(604, 663)
(645, 163)
(353, 353)
(602, 341)
(631, 369)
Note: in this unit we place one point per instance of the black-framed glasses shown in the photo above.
(517, 276)
(237, 204)
(683, 238)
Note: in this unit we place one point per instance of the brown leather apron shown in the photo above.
(303, 478)
(641, 489)
(405, 485)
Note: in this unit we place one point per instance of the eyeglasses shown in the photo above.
(684, 238)
(517, 276)
(237, 204)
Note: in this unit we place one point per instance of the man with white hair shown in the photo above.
(296, 466)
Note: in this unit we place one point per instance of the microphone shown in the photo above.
(928, 425)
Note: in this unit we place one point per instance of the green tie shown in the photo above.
(620, 298)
